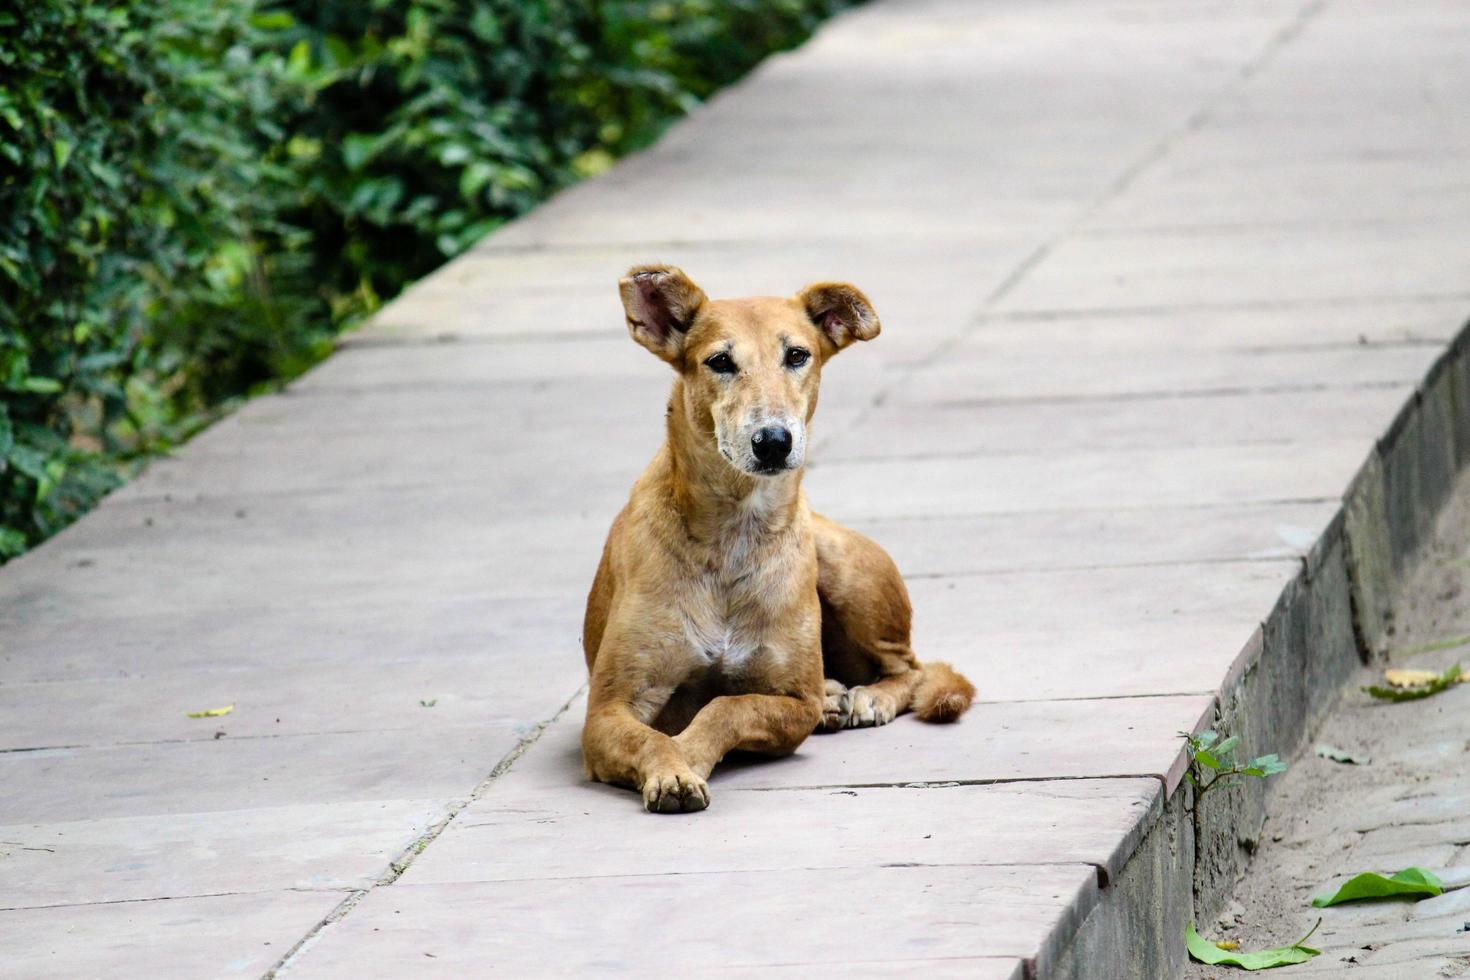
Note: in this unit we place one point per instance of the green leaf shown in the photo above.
(1445, 681)
(41, 386)
(1207, 952)
(1206, 759)
(61, 150)
(1227, 745)
(1410, 881)
(1206, 739)
(358, 149)
(1269, 765)
(299, 60)
(30, 461)
(12, 542)
(274, 20)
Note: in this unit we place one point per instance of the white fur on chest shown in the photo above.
(725, 640)
(726, 616)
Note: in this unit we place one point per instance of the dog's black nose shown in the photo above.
(771, 445)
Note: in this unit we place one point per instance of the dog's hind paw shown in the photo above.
(673, 791)
(870, 708)
(836, 707)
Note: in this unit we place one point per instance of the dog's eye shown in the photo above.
(796, 357)
(720, 363)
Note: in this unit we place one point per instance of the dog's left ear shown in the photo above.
(841, 312)
(660, 303)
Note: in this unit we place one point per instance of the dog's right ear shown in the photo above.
(660, 303)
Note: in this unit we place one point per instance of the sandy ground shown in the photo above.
(1408, 805)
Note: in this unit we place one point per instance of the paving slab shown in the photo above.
(333, 846)
(859, 488)
(227, 774)
(1240, 326)
(985, 424)
(784, 917)
(48, 645)
(925, 547)
(429, 538)
(223, 935)
(283, 700)
(1099, 632)
(984, 368)
(497, 837)
(1205, 266)
(970, 967)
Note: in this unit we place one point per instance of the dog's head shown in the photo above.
(750, 367)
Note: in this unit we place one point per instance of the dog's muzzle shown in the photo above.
(771, 447)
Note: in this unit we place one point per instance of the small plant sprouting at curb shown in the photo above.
(1212, 759)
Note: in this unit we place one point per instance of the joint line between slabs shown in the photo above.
(399, 865)
(1197, 119)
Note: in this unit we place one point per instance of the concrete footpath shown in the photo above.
(1154, 279)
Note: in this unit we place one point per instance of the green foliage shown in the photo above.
(415, 128)
(125, 173)
(196, 195)
(1205, 951)
(1212, 759)
(1369, 885)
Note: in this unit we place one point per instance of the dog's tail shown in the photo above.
(942, 694)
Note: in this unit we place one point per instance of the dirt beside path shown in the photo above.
(1407, 804)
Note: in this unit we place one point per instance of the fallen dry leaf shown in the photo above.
(1410, 678)
(1411, 685)
(212, 712)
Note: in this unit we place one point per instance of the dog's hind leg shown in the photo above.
(883, 674)
(866, 619)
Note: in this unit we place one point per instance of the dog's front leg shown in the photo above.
(620, 747)
(771, 724)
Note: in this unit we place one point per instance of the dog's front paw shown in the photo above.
(836, 707)
(674, 790)
(870, 708)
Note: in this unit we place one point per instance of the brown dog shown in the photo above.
(720, 595)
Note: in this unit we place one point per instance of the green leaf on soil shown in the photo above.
(1207, 952)
(1410, 881)
(1341, 755)
(1443, 682)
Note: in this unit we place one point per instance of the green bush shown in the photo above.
(196, 195)
(130, 161)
